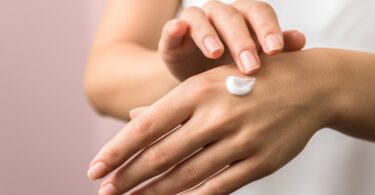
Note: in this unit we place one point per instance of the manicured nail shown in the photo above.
(97, 170)
(211, 44)
(273, 42)
(108, 189)
(248, 61)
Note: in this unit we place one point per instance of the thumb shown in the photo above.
(294, 40)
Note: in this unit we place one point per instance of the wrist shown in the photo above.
(332, 97)
(355, 92)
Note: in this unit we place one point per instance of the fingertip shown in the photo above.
(273, 43)
(216, 53)
(301, 37)
(249, 62)
(294, 40)
(213, 47)
(177, 28)
(97, 171)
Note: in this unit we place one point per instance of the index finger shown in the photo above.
(264, 22)
(156, 121)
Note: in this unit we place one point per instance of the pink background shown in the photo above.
(48, 132)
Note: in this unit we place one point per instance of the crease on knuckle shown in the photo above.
(121, 181)
(111, 153)
(259, 5)
(189, 172)
(243, 41)
(230, 13)
(246, 143)
(157, 158)
(141, 127)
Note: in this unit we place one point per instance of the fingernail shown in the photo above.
(273, 42)
(108, 189)
(211, 44)
(248, 61)
(97, 171)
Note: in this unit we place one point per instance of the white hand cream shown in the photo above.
(239, 86)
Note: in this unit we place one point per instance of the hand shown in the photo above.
(255, 135)
(199, 36)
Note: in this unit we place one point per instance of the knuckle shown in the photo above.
(188, 12)
(121, 180)
(158, 159)
(246, 143)
(242, 41)
(112, 153)
(230, 12)
(141, 127)
(189, 172)
(199, 86)
(211, 5)
(220, 9)
(266, 26)
(259, 6)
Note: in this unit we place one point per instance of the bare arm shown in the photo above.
(124, 56)
(125, 71)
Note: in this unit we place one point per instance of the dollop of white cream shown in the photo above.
(239, 86)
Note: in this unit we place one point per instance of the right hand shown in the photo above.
(245, 27)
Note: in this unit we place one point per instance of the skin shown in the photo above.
(246, 140)
(132, 54)
(265, 130)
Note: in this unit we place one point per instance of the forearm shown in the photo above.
(357, 112)
(123, 76)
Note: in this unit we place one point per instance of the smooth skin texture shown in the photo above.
(125, 53)
(265, 130)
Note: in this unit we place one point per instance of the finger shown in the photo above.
(194, 170)
(142, 131)
(231, 179)
(136, 111)
(163, 155)
(263, 20)
(203, 33)
(294, 40)
(235, 33)
(172, 34)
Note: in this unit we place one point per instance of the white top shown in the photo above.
(332, 163)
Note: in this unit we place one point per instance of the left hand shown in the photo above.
(255, 134)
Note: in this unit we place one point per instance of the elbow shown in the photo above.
(103, 94)
(95, 91)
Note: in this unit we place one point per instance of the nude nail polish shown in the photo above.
(273, 42)
(211, 44)
(248, 61)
